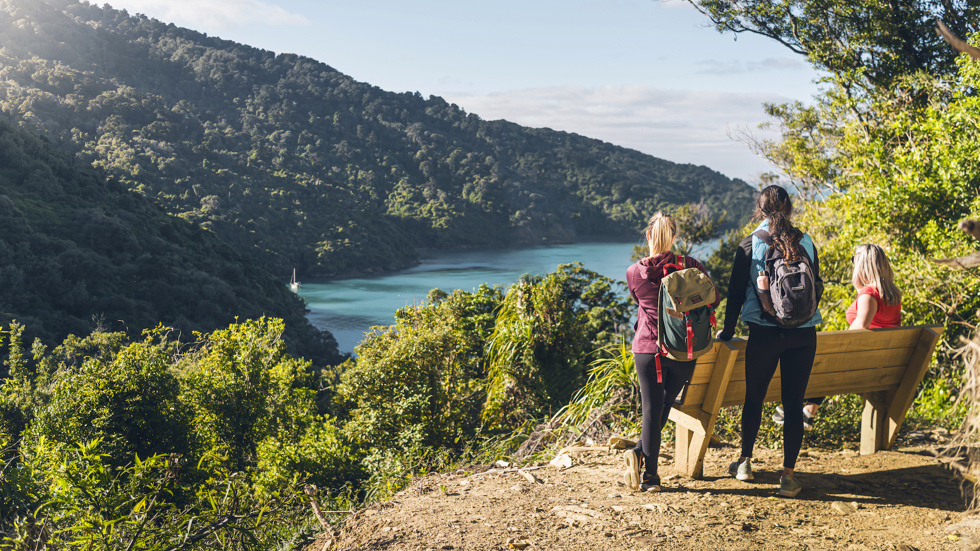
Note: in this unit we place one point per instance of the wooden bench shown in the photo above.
(884, 366)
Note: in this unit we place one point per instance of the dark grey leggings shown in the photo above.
(793, 350)
(657, 399)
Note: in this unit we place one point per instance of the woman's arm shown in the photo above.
(818, 281)
(866, 310)
(737, 285)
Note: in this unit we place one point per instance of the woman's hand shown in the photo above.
(762, 282)
(719, 337)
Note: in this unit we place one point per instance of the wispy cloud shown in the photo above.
(734, 66)
(678, 125)
(213, 14)
(676, 4)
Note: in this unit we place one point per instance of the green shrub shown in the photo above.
(150, 446)
(239, 388)
(320, 456)
(419, 383)
(615, 370)
(127, 400)
(537, 356)
(89, 503)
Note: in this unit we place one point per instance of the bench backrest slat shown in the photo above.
(851, 382)
(847, 362)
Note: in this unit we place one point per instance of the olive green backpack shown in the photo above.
(686, 326)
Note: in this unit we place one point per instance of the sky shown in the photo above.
(644, 74)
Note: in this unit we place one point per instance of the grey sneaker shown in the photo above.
(743, 470)
(632, 475)
(779, 418)
(650, 483)
(788, 486)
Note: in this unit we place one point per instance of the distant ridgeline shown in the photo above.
(79, 253)
(299, 165)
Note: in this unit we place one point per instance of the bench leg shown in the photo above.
(874, 423)
(900, 400)
(682, 444)
(689, 452)
(691, 445)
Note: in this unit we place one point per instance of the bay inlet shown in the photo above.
(349, 307)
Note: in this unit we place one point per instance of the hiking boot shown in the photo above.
(788, 486)
(651, 483)
(743, 470)
(808, 420)
(632, 474)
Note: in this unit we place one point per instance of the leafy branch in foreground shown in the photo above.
(612, 387)
(544, 331)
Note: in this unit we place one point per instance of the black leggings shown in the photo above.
(657, 399)
(793, 350)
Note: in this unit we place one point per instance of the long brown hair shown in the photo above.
(774, 205)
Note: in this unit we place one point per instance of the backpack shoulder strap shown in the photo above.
(678, 264)
(764, 236)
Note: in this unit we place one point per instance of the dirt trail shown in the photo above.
(898, 500)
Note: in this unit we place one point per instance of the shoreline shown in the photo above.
(369, 274)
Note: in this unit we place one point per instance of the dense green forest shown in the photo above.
(110, 440)
(301, 166)
(79, 252)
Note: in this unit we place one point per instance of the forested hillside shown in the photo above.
(79, 253)
(301, 166)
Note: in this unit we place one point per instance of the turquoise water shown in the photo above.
(348, 307)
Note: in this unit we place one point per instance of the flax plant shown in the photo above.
(607, 375)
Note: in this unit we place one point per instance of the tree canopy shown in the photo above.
(298, 165)
(78, 253)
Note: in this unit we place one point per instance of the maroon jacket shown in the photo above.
(643, 279)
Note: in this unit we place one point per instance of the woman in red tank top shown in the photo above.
(878, 304)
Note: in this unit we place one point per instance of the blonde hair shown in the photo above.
(871, 267)
(660, 233)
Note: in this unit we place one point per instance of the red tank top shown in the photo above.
(886, 316)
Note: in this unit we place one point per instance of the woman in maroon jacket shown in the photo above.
(643, 279)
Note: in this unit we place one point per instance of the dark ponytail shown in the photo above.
(774, 205)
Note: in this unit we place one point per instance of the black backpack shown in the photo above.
(792, 285)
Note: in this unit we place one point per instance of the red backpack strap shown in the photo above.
(678, 264)
(660, 375)
(690, 338)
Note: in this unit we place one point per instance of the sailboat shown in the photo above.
(293, 284)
